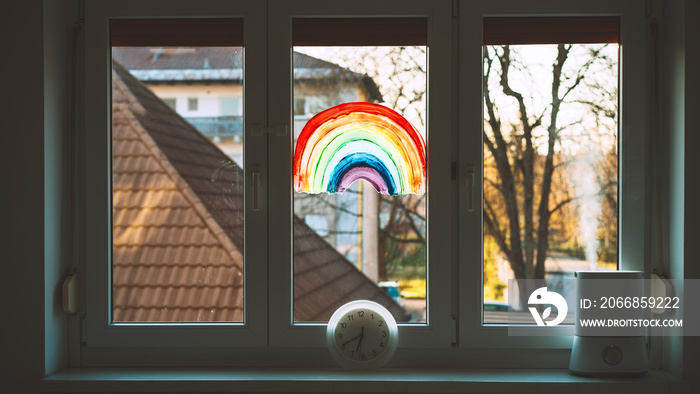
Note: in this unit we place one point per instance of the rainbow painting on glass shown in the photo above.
(354, 141)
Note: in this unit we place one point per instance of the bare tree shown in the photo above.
(521, 159)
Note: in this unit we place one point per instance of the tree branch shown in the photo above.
(494, 229)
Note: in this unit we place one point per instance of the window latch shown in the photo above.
(469, 180)
(260, 130)
(70, 293)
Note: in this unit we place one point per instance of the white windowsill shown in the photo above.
(328, 380)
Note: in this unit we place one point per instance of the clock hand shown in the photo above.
(362, 335)
(357, 337)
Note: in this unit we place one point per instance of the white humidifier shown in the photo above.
(624, 351)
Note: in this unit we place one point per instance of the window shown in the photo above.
(385, 229)
(483, 323)
(323, 82)
(318, 224)
(550, 154)
(284, 235)
(230, 106)
(177, 252)
(170, 178)
(192, 104)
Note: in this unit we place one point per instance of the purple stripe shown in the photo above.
(367, 173)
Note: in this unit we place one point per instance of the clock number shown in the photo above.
(363, 356)
(383, 333)
(342, 346)
(374, 353)
(361, 314)
(372, 316)
(350, 317)
(381, 344)
(381, 323)
(352, 353)
(343, 325)
(340, 336)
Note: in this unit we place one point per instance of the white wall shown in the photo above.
(679, 84)
(209, 97)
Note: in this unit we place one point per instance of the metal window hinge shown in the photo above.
(278, 130)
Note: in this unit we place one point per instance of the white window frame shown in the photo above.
(438, 332)
(99, 337)
(633, 229)
(454, 335)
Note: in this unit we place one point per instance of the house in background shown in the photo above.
(204, 85)
(178, 235)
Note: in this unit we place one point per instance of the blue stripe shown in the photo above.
(360, 159)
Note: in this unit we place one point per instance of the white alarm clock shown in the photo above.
(362, 334)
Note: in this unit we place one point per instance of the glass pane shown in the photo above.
(350, 241)
(231, 106)
(550, 168)
(177, 183)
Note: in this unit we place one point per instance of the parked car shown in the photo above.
(392, 288)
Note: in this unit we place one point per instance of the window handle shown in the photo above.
(257, 181)
(469, 180)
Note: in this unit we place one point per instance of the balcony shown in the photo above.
(219, 126)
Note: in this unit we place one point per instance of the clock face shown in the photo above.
(362, 334)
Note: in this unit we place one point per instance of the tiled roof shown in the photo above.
(170, 259)
(189, 75)
(142, 58)
(178, 229)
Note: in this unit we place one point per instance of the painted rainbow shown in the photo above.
(356, 141)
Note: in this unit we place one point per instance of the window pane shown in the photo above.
(550, 167)
(358, 244)
(177, 185)
(192, 104)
